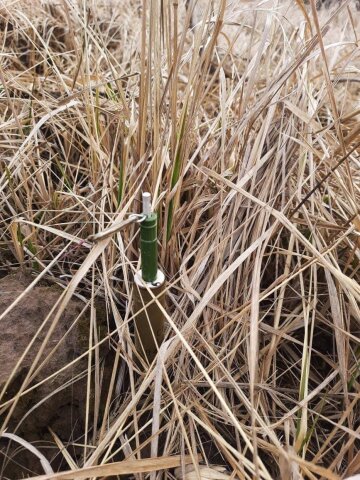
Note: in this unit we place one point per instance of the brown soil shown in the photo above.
(59, 403)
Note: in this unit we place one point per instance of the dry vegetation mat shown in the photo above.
(242, 120)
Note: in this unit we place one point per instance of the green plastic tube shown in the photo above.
(149, 317)
(149, 254)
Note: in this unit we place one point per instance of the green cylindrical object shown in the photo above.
(148, 240)
(149, 319)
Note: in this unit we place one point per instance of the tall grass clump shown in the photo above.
(242, 120)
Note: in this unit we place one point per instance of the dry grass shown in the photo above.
(242, 119)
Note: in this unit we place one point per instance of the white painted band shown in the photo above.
(160, 279)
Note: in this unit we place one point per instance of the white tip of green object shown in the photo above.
(146, 203)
